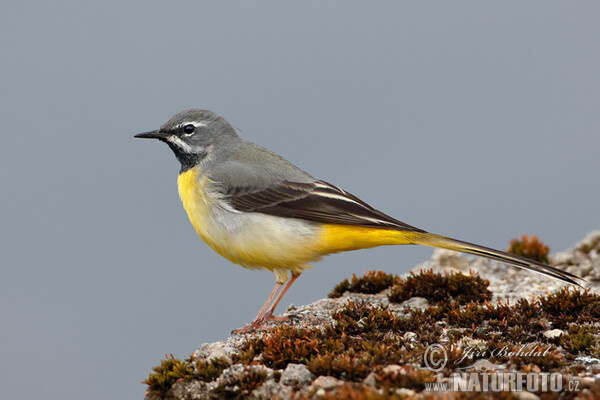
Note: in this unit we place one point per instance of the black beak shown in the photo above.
(153, 135)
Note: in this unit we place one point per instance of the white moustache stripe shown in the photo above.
(183, 145)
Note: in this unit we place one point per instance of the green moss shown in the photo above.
(580, 339)
(172, 370)
(169, 371)
(210, 370)
(371, 283)
(441, 288)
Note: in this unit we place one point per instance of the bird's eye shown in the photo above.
(189, 129)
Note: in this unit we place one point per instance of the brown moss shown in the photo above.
(442, 288)
(532, 248)
(571, 306)
(405, 377)
(371, 282)
(352, 391)
(348, 366)
(288, 344)
(365, 338)
(360, 317)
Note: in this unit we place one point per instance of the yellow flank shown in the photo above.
(256, 240)
(338, 237)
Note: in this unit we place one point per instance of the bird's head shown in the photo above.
(192, 135)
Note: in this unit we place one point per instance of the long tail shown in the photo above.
(433, 240)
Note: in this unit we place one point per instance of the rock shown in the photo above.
(370, 380)
(223, 350)
(296, 375)
(194, 390)
(588, 360)
(272, 390)
(232, 375)
(325, 383)
(553, 333)
(296, 380)
(419, 303)
(392, 369)
(525, 395)
(404, 392)
(450, 260)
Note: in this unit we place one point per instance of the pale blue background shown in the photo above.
(469, 119)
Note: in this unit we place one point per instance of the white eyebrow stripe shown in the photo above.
(195, 123)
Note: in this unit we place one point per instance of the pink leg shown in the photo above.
(259, 318)
(269, 314)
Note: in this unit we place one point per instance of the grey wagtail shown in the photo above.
(258, 210)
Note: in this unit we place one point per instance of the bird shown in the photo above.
(258, 210)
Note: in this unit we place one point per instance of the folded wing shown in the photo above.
(318, 201)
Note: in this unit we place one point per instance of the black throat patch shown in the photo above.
(187, 160)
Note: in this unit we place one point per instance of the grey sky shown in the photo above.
(475, 120)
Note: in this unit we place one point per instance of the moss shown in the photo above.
(347, 351)
(571, 306)
(441, 288)
(532, 248)
(528, 357)
(210, 370)
(365, 338)
(352, 391)
(288, 344)
(347, 366)
(360, 317)
(241, 386)
(169, 371)
(172, 370)
(581, 339)
(362, 337)
(371, 283)
(405, 377)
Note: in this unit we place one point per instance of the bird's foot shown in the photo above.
(269, 317)
(260, 323)
(250, 327)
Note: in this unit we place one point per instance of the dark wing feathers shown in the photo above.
(322, 202)
(318, 201)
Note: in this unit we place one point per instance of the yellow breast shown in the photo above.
(195, 199)
(253, 240)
